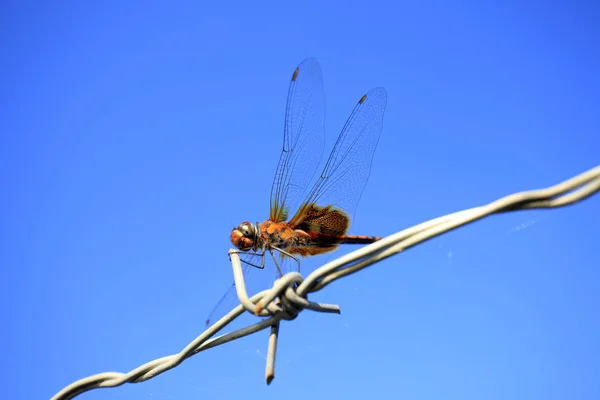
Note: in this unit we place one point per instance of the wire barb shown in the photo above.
(288, 296)
(271, 352)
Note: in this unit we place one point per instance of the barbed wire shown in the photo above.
(288, 296)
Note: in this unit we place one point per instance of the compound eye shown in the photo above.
(247, 229)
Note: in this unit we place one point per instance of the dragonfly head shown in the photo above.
(245, 236)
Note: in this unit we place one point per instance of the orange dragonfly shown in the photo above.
(323, 210)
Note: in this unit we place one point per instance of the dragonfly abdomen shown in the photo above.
(357, 239)
(324, 239)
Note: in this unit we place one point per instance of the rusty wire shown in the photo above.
(288, 296)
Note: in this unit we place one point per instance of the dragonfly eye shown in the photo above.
(243, 236)
(247, 229)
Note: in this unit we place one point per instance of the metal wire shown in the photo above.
(288, 295)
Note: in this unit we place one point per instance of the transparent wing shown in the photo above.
(348, 167)
(229, 300)
(255, 280)
(303, 139)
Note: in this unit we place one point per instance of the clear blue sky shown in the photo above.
(126, 134)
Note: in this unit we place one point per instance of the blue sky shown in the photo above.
(127, 128)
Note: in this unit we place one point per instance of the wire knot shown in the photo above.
(283, 301)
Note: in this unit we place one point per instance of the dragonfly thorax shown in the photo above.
(246, 236)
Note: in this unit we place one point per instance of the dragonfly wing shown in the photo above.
(229, 300)
(218, 310)
(255, 281)
(348, 167)
(303, 139)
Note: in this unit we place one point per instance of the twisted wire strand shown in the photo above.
(288, 295)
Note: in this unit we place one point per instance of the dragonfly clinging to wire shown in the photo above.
(323, 210)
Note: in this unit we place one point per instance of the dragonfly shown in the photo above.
(324, 208)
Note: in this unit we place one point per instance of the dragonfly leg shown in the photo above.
(287, 254)
(261, 255)
(279, 271)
